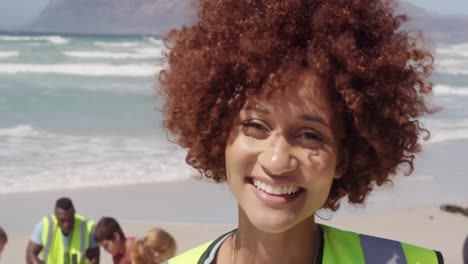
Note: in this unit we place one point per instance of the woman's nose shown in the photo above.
(277, 158)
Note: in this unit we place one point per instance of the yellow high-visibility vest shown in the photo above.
(54, 250)
(336, 247)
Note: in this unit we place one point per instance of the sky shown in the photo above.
(16, 13)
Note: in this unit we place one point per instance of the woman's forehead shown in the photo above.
(307, 92)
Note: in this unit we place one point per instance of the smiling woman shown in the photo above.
(297, 104)
(282, 156)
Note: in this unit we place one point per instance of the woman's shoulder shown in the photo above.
(190, 256)
(205, 252)
(372, 249)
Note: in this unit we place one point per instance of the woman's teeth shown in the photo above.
(277, 190)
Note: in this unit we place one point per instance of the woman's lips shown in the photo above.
(276, 196)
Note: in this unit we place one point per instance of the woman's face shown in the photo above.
(282, 156)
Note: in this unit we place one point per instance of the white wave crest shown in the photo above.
(453, 52)
(450, 62)
(107, 55)
(19, 131)
(98, 69)
(154, 52)
(450, 90)
(8, 54)
(441, 124)
(444, 130)
(57, 40)
(57, 161)
(438, 136)
(452, 66)
(115, 44)
(459, 50)
(51, 39)
(154, 40)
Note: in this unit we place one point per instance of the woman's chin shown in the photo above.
(272, 222)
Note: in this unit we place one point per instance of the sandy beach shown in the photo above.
(137, 207)
(194, 220)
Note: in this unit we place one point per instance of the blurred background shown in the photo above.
(78, 106)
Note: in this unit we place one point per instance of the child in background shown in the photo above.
(111, 237)
(156, 247)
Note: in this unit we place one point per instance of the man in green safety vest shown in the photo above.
(63, 238)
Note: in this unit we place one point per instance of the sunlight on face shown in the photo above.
(281, 156)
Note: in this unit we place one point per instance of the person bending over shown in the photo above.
(156, 247)
(63, 238)
(110, 236)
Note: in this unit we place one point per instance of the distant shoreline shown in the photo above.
(71, 34)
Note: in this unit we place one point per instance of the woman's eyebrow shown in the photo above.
(314, 118)
(306, 117)
(258, 108)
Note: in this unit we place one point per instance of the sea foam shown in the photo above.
(439, 136)
(108, 55)
(51, 39)
(459, 50)
(450, 90)
(8, 54)
(115, 44)
(19, 131)
(452, 66)
(95, 69)
(33, 160)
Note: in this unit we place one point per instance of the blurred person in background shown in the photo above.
(110, 236)
(63, 238)
(3, 239)
(156, 247)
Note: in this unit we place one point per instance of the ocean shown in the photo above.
(82, 111)
(78, 111)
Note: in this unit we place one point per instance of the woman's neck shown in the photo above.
(251, 245)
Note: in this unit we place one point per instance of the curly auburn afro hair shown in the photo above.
(378, 72)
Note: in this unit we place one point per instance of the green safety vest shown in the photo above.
(342, 247)
(53, 251)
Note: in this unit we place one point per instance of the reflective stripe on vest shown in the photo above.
(54, 248)
(83, 235)
(50, 223)
(346, 247)
(376, 250)
(369, 249)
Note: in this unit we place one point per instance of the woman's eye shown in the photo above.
(255, 129)
(312, 136)
(310, 139)
(252, 124)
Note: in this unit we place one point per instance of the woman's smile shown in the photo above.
(275, 189)
(275, 195)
